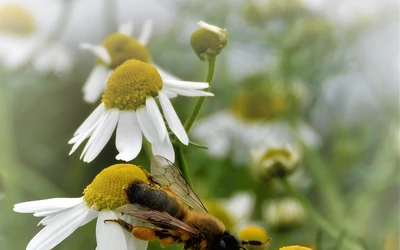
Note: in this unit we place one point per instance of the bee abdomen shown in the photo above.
(159, 200)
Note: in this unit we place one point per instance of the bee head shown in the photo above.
(226, 242)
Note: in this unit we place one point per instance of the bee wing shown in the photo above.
(156, 217)
(165, 173)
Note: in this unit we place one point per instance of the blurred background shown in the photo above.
(305, 91)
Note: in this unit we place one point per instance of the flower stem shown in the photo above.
(180, 161)
(322, 223)
(210, 74)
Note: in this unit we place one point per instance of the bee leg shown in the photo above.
(142, 233)
(254, 242)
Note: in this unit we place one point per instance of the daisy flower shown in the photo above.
(101, 198)
(115, 50)
(129, 106)
(19, 35)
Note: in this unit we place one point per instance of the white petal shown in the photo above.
(62, 226)
(126, 28)
(188, 92)
(91, 120)
(109, 235)
(100, 136)
(98, 50)
(155, 117)
(185, 84)
(169, 93)
(164, 148)
(146, 126)
(79, 138)
(132, 242)
(46, 205)
(96, 83)
(173, 119)
(164, 74)
(145, 33)
(128, 136)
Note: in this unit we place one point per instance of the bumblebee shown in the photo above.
(175, 211)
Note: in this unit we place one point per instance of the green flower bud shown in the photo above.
(285, 213)
(208, 41)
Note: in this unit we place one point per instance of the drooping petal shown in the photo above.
(173, 119)
(98, 50)
(78, 139)
(185, 84)
(145, 33)
(62, 226)
(126, 28)
(89, 217)
(169, 93)
(128, 136)
(146, 126)
(100, 136)
(189, 92)
(96, 83)
(156, 118)
(91, 120)
(164, 148)
(109, 235)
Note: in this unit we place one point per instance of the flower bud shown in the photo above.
(208, 40)
(284, 213)
(274, 159)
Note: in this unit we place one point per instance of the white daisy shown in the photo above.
(18, 35)
(129, 101)
(224, 132)
(116, 49)
(54, 58)
(62, 216)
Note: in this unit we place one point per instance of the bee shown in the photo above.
(175, 211)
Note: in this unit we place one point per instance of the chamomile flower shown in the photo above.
(18, 35)
(55, 58)
(129, 106)
(101, 198)
(115, 50)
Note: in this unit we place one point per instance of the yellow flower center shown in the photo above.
(296, 247)
(261, 100)
(130, 84)
(107, 191)
(253, 233)
(122, 47)
(16, 20)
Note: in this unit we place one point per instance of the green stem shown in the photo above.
(210, 74)
(180, 161)
(323, 224)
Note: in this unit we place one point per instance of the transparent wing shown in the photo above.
(165, 173)
(156, 217)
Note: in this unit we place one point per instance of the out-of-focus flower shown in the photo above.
(208, 40)
(129, 101)
(225, 133)
(18, 35)
(115, 50)
(285, 213)
(254, 234)
(295, 247)
(240, 207)
(274, 159)
(62, 216)
(54, 58)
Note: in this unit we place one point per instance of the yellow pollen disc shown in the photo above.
(122, 47)
(296, 247)
(16, 20)
(130, 84)
(274, 152)
(253, 233)
(107, 190)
